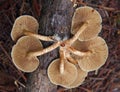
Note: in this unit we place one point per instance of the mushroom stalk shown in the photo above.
(62, 58)
(75, 37)
(44, 51)
(76, 52)
(41, 37)
(71, 60)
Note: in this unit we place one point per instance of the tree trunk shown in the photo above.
(55, 19)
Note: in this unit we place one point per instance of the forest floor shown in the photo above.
(107, 78)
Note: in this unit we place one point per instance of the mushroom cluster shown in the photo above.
(82, 53)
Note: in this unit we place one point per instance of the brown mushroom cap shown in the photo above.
(90, 15)
(19, 53)
(66, 78)
(80, 78)
(22, 23)
(97, 57)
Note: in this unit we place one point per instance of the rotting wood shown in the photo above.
(55, 19)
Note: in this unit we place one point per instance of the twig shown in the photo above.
(85, 89)
(22, 7)
(98, 6)
(18, 82)
(6, 53)
(93, 78)
(8, 19)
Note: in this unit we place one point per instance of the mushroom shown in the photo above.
(65, 78)
(61, 72)
(97, 53)
(82, 53)
(80, 78)
(25, 51)
(23, 46)
(80, 73)
(92, 17)
(26, 25)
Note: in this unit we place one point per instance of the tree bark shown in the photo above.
(55, 19)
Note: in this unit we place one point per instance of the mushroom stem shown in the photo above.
(70, 59)
(44, 51)
(41, 37)
(73, 61)
(77, 34)
(74, 2)
(76, 52)
(62, 58)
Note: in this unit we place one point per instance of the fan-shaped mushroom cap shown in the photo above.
(66, 78)
(20, 50)
(97, 57)
(22, 23)
(80, 78)
(92, 17)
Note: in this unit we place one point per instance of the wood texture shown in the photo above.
(55, 19)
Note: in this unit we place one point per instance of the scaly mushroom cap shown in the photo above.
(20, 50)
(92, 17)
(97, 56)
(22, 23)
(80, 78)
(66, 78)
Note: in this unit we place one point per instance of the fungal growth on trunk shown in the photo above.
(82, 53)
(92, 17)
(27, 25)
(98, 53)
(20, 51)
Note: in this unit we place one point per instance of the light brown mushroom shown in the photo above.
(19, 53)
(98, 53)
(92, 17)
(25, 51)
(64, 78)
(80, 78)
(26, 25)
(64, 70)
(86, 50)
(81, 74)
